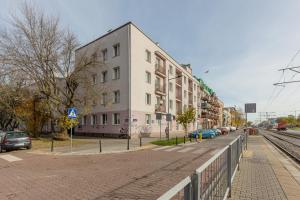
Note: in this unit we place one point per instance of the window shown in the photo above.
(116, 118)
(148, 119)
(84, 120)
(171, 69)
(93, 120)
(194, 86)
(157, 63)
(148, 56)
(94, 102)
(148, 77)
(104, 76)
(148, 99)
(116, 49)
(184, 108)
(104, 55)
(171, 87)
(117, 96)
(94, 79)
(171, 104)
(184, 93)
(116, 73)
(104, 119)
(103, 98)
(195, 98)
(184, 79)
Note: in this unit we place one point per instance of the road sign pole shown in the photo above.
(71, 141)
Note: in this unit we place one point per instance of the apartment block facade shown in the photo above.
(144, 83)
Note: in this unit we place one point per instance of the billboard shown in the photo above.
(250, 108)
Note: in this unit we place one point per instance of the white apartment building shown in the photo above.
(135, 76)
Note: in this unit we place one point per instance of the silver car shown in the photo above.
(14, 140)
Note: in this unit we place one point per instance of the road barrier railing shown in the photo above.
(213, 179)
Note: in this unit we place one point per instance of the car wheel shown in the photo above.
(28, 147)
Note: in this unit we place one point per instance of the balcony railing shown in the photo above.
(160, 89)
(160, 70)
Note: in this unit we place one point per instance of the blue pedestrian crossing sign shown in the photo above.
(72, 113)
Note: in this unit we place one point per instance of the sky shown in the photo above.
(243, 44)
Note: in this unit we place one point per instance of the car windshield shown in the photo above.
(12, 135)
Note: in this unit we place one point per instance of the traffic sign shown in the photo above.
(250, 108)
(72, 113)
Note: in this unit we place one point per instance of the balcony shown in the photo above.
(160, 108)
(160, 70)
(160, 89)
(178, 108)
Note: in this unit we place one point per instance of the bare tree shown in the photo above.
(35, 46)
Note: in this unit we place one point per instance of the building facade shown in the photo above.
(142, 84)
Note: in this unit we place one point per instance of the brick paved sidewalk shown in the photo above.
(260, 175)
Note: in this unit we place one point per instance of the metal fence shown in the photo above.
(213, 179)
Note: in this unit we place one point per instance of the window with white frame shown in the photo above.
(148, 119)
(185, 94)
(148, 56)
(115, 118)
(184, 80)
(148, 99)
(171, 104)
(104, 55)
(170, 87)
(93, 120)
(104, 77)
(117, 96)
(195, 99)
(171, 69)
(103, 98)
(194, 86)
(116, 73)
(148, 77)
(103, 119)
(116, 48)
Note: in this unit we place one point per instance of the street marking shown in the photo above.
(214, 152)
(161, 148)
(200, 151)
(172, 149)
(10, 158)
(186, 149)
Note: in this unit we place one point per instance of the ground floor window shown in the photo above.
(116, 119)
(148, 119)
(104, 119)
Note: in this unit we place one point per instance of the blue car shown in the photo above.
(209, 133)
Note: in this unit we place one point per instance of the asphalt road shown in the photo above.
(144, 174)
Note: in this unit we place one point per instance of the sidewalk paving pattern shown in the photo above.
(256, 178)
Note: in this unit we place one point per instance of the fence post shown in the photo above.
(195, 180)
(140, 141)
(128, 143)
(229, 169)
(187, 192)
(100, 145)
(176, 140)
(183, 139)
(52, 144)
(238, 152)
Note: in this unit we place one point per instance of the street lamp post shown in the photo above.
(169, 100)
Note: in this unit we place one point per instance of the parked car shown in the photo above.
(217, 131)
(232, 128)
(224, 130)
(209, 133)
(14, 140)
